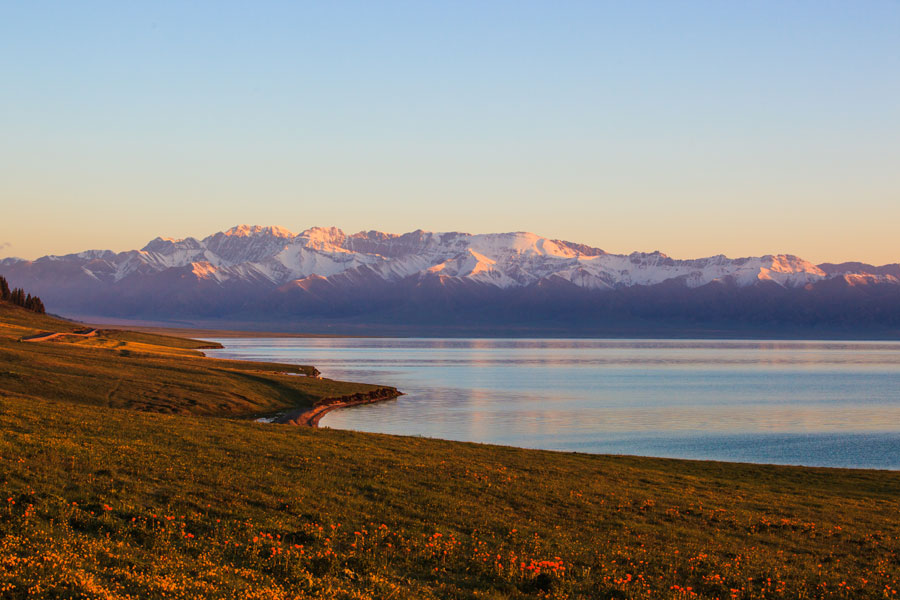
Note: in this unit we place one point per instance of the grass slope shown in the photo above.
(147, 372)
(105, 503)
(102, 502)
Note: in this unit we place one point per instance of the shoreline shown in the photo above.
(195, 333)
(207, 329)
(310, 416)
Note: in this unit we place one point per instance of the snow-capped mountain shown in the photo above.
(505, 260)
(252, 270)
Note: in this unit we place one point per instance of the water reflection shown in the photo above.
(696, 399)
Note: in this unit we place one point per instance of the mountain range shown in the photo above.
(323, 279)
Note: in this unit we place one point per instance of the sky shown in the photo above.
(693, 128)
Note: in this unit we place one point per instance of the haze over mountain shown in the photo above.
(325, 279)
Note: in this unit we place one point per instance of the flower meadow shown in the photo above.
(109, 503)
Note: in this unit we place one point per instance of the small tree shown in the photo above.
(17, 297)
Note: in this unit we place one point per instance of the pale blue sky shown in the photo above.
(690, 127)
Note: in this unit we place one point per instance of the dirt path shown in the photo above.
(44, 337)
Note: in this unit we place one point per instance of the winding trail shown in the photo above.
(44, 337)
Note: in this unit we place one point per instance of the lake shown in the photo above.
(785, 402)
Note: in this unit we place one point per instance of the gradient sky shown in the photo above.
(694, 128)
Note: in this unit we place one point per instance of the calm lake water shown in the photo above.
(787, 402)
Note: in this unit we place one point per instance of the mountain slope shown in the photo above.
(276, 255)
(255, 274)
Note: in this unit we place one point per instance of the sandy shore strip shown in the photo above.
(309, 417)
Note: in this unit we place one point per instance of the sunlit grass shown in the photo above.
(98, 500)
(148, 372)
(105, 502)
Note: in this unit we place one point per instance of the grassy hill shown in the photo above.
(147, 372)
(104, 502)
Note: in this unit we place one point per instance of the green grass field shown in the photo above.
(148, 372)
(105, 502)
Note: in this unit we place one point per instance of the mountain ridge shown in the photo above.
(433, 278)
(326, 251)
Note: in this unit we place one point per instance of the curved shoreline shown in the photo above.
(309, 417)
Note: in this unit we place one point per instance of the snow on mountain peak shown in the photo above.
(278, 256)
(788, 263)
(252, 230)
(502, 259)
(168, 245)
(324, 238)
(520, 242)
